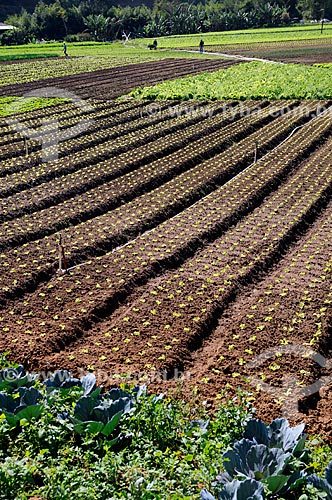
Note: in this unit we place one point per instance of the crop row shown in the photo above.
(36, 116)
(116, 74)
(125, 137)
(252, 47)
(172, 314)
(110, 90)
(170, 120)
(175, 195)
(64, 112)
(43, 72)
(118, 79)
(128, 122)
(100, 126)
(104, 232)
(12, 143)
(180, 132)
(79, 296)
(147, 73)
(287, 317)
(303, 285)
(115, 227)
(137, 180)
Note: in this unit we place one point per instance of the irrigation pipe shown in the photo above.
(210, 194)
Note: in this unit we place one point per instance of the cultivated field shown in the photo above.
(184, 252)
(112, 82)
(295, 51)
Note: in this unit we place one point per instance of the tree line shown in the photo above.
(101, 20)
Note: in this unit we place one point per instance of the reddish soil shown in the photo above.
(206, 287)
(306, 301)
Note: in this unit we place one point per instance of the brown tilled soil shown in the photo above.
(209, 365)
(104, 317)
(111, 83)
(302, 52)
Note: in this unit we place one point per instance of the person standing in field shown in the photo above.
(201, 46)
(65, 49)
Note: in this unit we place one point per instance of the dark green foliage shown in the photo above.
(158, 445)
(62, 379)
(109, 19)
(21, 404)
(249, 489)
(324, 485)
(152, 447)
(278, 434)
(13, 378)
(270, 461)
(98, 413)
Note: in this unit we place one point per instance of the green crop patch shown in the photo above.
(13, 105)
(64, 438)
(254, 80)
(17, 57)
(83, 58)
(294, 33)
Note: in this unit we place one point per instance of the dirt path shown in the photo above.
(233, 56)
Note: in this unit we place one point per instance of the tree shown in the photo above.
(98, 25)
(25, 31)
(50, 21)
(312, 9)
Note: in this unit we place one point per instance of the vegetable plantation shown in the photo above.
(85, 74)
(182, 245)
(300, 51)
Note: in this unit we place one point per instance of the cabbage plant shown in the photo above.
(249, 489)
(261, 462)
(13, 378)
(98, 413)
(322, 484)
(24, 404)
(278, 434)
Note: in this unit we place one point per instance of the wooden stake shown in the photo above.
(256, 151)
(62, 258)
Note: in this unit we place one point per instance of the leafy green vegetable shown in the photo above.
(264, 455)
(323, 484)
(13, 378)
(254, 461)
(249, 489)
(12, 105)
(254, 80)
(61, 379)
(164, 449)
(278, 434)
(23, 404)
(96, 414)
